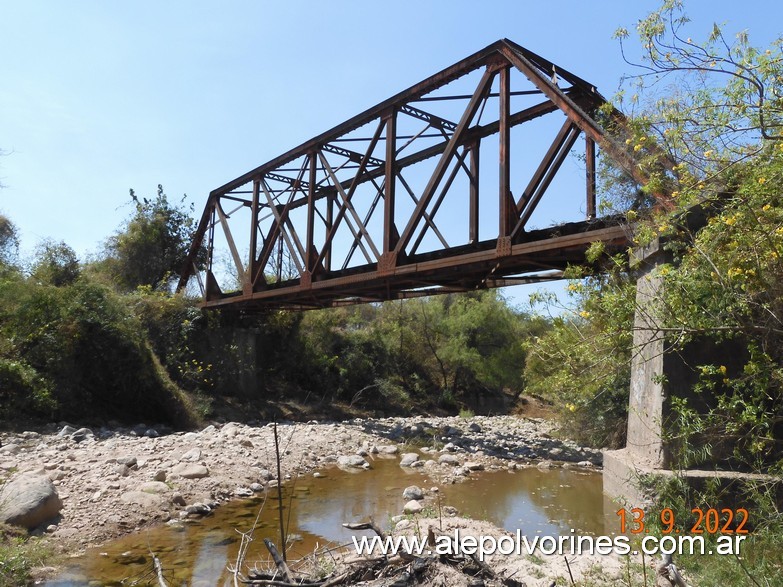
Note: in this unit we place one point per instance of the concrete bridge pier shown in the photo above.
(651, 368)
(659, 374)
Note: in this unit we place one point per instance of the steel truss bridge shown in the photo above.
(398, 202)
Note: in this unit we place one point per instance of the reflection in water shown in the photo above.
(535, 501)
(532, 500)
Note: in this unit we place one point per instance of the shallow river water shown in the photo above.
(549, 502)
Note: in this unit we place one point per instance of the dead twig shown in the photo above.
(279, 491)
(158, 570)
(568, 566)
(281, 565)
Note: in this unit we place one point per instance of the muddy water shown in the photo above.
(535, 501)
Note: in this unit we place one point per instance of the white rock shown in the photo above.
(194, 454)
(352, 462)
(190, 471)
(448, 459)
(10, 449)
(412, 507)
(408, 459)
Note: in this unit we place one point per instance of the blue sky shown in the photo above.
(100, 97)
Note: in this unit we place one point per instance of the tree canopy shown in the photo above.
(151, 247)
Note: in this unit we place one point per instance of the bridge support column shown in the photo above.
(645, 449)
(651, 365)
(659, 374)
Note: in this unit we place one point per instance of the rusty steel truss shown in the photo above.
(392, 203)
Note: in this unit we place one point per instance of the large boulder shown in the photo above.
(29, 501)
(412, 492)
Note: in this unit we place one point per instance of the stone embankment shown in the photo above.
(111, 481)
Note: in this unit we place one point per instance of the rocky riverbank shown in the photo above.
(112, 481)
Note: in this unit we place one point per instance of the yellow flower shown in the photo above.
(584, 314)
(708, 153)
(730, 221)
(628, 141)
(700, 186)
(723, 369)
(762, 180)
(675, 194)
(766, 207)
(571, 407)
(637, 147)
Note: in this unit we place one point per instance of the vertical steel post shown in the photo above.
(505, 143)
(251, 267)
(391, 181)
(329, 224)
(309, 248)
(590, 160)
(473, 222)
(211, 238)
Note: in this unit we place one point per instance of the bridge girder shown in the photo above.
(354, 216)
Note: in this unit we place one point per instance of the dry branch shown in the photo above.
(281, 565)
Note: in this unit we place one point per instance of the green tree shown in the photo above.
(55, 263)
(151, 247)
(705, 124)
(582, 363)
(9, 241)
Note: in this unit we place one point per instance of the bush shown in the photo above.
(23, 391)
(81, 346)
(582, 364)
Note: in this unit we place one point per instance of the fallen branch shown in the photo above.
(281, 565)
(158, 570)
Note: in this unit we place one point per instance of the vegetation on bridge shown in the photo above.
(707, 124)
